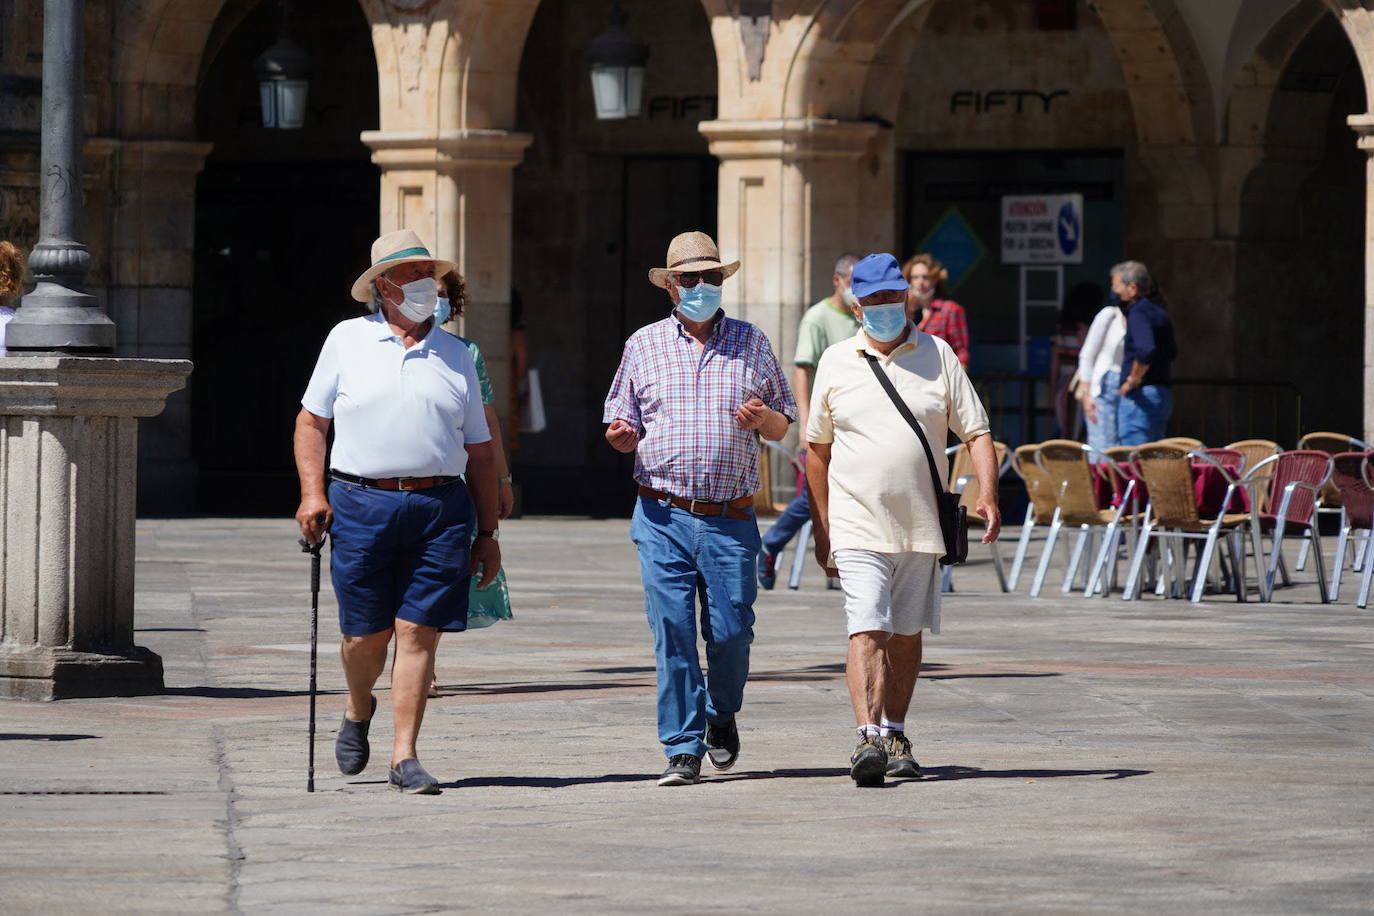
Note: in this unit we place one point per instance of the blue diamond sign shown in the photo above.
(955, 245)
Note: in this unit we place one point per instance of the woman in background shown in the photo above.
(943, 318)
(11, 285)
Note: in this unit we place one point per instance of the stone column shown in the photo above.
(1363, 125)
(68, 458)
(455, 188)
(792, 199)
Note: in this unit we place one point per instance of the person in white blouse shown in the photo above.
(1098, 380)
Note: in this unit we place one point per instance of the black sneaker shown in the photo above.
(683, 770)
(722, 745)
(351, 749)
(868, 763)
(768, 570)
(409, 777)
(900, 763)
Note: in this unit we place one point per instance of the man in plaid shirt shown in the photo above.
(691, 397)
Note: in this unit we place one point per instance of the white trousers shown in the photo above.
(892, 592)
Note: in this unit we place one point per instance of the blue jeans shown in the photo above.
(797, 513)
(1102, 435)
(685, 559)
(1144, 413)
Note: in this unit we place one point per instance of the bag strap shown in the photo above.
(906, 415)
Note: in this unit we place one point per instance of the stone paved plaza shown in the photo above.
(1081, 756)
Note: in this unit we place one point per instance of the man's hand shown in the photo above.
(752, 413)
(622, 436)
(486, 556)
(314, 516)
(823, 554)
(988, 511)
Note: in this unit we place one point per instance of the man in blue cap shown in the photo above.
(873, 504)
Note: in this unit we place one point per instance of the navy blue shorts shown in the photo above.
(398, 554)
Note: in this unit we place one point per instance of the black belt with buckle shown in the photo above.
(393, 483)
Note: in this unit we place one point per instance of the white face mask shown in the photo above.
(420, 298)
(849, 298)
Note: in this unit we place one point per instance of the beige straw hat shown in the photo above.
(689, 252)
(400, 247)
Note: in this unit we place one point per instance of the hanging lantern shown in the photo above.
(283, 72)
(616, 60)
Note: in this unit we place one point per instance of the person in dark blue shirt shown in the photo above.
(1147, 397)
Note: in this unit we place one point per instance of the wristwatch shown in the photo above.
(492, 533)
(505, 479)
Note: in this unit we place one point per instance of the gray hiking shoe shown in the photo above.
(868, 763)
(900, 763)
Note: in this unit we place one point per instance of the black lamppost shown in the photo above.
(616, 60)
(59, 315)
(283, 79)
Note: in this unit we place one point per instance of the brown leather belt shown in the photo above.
(393, 483)
(733, 509)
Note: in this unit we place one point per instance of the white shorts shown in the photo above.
(892, 592)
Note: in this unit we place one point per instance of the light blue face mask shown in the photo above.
(700, 302)
(442, 310)
(885, 322)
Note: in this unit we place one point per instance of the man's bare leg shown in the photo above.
(364, 659)
(410, 678)
(903, 666)
(864, 671)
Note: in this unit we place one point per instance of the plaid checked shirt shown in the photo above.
(947, 320)
(682, 400)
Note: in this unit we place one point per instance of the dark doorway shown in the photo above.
(284, 221)
(642, 202)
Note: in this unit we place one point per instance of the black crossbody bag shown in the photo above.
(953, 517)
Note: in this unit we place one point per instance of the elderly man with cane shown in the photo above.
(406, 408)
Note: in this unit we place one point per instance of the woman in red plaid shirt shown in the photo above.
(943, 318)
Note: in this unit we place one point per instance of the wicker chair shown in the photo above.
(1040, 509)
(1065, 463)
(1255, 451)
(1184, 443)
(964, 481)
(1298, 477)
(1329, 500)
(1173, 513)
(1350, 473)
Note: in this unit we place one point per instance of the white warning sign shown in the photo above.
(1042, 229)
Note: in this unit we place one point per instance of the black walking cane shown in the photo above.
(314, 552)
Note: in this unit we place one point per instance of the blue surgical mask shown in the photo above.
(700, 302)
(1113, 299)
(442, 310)
(885, 322)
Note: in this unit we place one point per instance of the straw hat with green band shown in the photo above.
(688, 253)
(391, 250)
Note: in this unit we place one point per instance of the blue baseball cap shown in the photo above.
(875, 273)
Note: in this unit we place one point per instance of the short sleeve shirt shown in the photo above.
(881, 494)
(484, 380)
(822, 325)
(397, 412)
(682, 399)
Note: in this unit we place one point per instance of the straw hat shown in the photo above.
(689, 252)
(391, 250)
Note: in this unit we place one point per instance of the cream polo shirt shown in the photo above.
(881, 495)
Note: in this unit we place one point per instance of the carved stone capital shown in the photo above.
(790, 138)
(446, 150)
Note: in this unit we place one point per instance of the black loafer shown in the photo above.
(351, 749)
(409, 777)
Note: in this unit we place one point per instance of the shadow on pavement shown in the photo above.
(239, 693)
(941, 774)
(21, 736)
(544, 782)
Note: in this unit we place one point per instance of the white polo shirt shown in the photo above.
(397, 412)
(881, 495)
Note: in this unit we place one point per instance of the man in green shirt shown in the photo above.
(828, 321)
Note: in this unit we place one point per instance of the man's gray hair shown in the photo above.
(1137, 273)
(375, 305)
(846, 263)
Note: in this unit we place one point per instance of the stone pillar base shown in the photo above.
(40, 673)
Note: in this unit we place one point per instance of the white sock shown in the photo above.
(865, 730)
(889, 727)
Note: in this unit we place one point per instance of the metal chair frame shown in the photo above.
(1319, 509)
(958, 486)
(1075, 557)
(1312, 534)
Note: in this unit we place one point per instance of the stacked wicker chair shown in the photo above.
(1040, 509)
(964, 481)
(1065, 463)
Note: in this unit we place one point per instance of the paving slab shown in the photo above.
(1080, 755)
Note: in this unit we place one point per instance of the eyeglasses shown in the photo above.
(689, 280)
